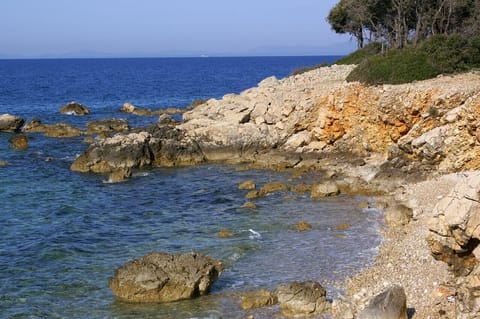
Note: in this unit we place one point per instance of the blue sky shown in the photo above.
(120, 28)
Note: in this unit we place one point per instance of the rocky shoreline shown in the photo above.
(410, 143)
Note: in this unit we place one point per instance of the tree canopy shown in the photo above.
(396, 23)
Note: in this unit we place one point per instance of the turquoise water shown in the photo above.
(64, 233)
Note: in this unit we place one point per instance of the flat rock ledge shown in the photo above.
(161, 277)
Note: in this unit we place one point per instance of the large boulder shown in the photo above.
(74, 108)
(159, 146)
(10, 123)
(107, 125)
(302, 298)
(389, 304)
(160, 277)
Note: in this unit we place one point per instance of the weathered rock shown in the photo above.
(74, 108)
(389, 304)
(10, 123)
(325, 189)
(108, 125)
(159, 147)
(258, 299)
(398, 215)
(273, 187)
(247, 185)
(118, 152)
(159, 277)
(302, 298)
(128, 108)
(61, 130)
(34, 126)
(455, 228)
(468, 296)
(303, 226)
(249, 205)
(166, 119)
(19, 142)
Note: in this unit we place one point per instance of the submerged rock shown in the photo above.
(10, 123)
(389, 304)
(247, 185)
(19, 142)
(160, 277)
(108, 125)
(74, 108)
(302, 298)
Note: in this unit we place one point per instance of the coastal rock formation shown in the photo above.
(107, 125)
(59, 130)
(159, 277)
(414, 128)
(130, 108)
(74, 108)
(302, 298)
(10, 123)
(160, 146)
(389, 304)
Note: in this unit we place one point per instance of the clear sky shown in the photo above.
(84, 28)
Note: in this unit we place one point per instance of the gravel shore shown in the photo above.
(405, 259)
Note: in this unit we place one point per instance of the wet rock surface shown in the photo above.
(302, 298)
(75, 108)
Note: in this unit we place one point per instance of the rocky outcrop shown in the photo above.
(10, 123)
(159, 146)
(454, 238)
(107, 125)
(389, 304)
(130, 108)
(74, 108)
(302, 298)
(159, 277)
(59, 130)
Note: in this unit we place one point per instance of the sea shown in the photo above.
(63, 233)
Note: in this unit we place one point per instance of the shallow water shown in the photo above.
(64, 233)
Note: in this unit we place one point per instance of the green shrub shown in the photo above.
(439, 54)
(358, 56)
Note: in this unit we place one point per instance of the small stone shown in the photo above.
(324, 190)
(74, 108)
(247, 185)
(343, 226)
(252, 194)
(303, 226)
(128, 108)
(249, 205)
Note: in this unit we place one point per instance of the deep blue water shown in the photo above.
(63, 233)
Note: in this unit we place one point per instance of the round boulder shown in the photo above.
(10, 123)
(302, 298)
(161, 277)
(74, 108)
(19, 142)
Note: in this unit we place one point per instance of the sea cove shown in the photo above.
(64, 233)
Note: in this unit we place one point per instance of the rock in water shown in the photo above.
(19, 142)
(10, 123)
(389, 304)
(160, 277)
(302, 298)
(74, 108)
(108, 125)
(324, 190)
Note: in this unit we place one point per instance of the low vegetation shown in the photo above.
(440, 54)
